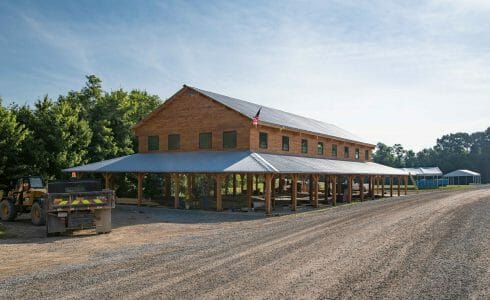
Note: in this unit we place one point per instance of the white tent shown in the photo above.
(463, 177)
(424, 172)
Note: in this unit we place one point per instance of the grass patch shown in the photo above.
(448, 188)
(456, 187)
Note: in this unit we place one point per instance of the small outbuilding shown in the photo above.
(463, 177)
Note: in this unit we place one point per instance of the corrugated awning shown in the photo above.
(232, 162)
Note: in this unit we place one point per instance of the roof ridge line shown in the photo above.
(262, 161)
(352, 137)
(265, 106)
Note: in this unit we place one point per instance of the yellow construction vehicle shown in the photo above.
(25, 195)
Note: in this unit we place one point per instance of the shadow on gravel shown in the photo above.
(126, 215)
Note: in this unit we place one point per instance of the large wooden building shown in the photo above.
(200, 132)
(195, 120)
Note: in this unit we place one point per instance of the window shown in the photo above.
(346, 152)
(304, 146)
(205, 140)
(263, 140)
(229, 139)
(334, 150)
(285, 143)
(320, 148)
(173, 141)
(366, 154)
(153, 143)
(357, 153)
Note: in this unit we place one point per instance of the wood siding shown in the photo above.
(274, 136)
(189, 113)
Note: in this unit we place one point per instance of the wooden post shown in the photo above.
(315, 190)
(361, 187)
(406, 185)
(349, 184)
(383, 179)
(372, 187)
(267, 193)
(140, 188)
(399, 186)
(334, 190)
(249, 189)
(219, 200)
(391, 186)
(310, 189)
(107, 177)
(234, 184)
(339, 186)
(294, 191)
(257, 184)
(326, 188)
(176, 190)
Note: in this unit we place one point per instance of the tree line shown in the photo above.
(91, 125)
(452, 152)
(80, 127)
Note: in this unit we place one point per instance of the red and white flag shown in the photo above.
(255, 120)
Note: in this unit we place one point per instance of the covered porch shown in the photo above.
(249, 180)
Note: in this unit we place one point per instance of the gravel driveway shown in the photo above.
(432, 245)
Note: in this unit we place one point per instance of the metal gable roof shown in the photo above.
(429, 171)
(231, 162)
(281, 118)
(461, 173)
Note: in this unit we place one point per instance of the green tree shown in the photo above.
(58, 139)
(12, 135)
(410, 159)
(112, 118)
(383, 154)
(398, 155)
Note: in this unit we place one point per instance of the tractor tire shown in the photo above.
(38, 216)
(8, 212)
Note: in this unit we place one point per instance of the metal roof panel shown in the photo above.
(461, 173)
(232, 162)
(281, 118)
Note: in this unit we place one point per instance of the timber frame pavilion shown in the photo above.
(253, 167)
(197, 132)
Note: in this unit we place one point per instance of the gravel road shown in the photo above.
(432, 245)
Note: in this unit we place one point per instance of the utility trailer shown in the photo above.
(76, 205)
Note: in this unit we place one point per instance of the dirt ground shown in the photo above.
(432, 245)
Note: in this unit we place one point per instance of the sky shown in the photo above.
(403, 72)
